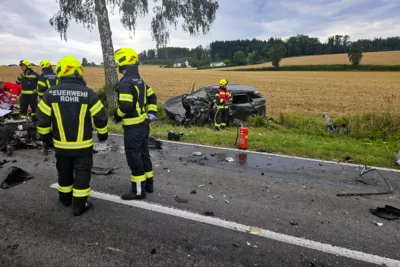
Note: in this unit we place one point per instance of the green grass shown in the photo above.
(374, 139)
(337, 67)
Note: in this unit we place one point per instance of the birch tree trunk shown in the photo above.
(110, 70)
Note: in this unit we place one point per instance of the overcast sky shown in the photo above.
(25, 32)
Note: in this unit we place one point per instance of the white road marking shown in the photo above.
(327, 248)
(275, 155)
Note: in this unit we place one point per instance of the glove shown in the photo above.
(102, 137)
(117, 118)
(152, 117)
(226, 102)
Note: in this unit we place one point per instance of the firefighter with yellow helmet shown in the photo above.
(223, 99)
(137, 106)
(47, 78)
(28, 79)
(65, 116)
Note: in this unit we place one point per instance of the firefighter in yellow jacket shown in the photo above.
(137, 106)
(29, 81)
(64, 115)
(47, 78)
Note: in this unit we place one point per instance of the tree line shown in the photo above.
(243, 52)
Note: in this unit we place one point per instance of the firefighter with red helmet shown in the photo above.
(29, 81)
(137, 106)
(223, 99)
(65, 115)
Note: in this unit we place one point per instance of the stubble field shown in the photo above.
(371, 58)
(310, 93)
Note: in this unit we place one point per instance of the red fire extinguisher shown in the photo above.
(243, 135)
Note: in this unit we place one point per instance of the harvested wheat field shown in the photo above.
(311, 93)
(374, 58)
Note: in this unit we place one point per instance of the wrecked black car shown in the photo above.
(199, 107)
(20, 133)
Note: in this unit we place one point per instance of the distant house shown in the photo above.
(182, 63)
(217, 64)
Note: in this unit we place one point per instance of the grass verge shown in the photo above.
(374, 139)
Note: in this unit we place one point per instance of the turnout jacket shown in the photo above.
(65, 113)
(222, 96)
(28, 81)
(135, 98)
(46, 80)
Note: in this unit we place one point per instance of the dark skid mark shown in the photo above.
(14, 176)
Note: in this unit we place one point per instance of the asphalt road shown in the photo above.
(287, 196)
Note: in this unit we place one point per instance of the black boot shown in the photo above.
(134, 194)
(81, 205)
(150, 185)
(65, 198)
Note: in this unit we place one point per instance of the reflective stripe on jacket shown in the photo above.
(66, 111)
(46, 80)
(223, 96)
(135, 98)
(28, 80)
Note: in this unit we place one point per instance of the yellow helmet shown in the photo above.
(126, 56)
(26, 63)
(45, 63)
(223, 82)
(68, 66)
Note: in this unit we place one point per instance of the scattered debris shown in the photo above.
(102, 171)
(197, 154)
(367, 180)
(175, 136)
(201, 185)
(236, 246)
(227, 201)
(335, 126)
(154, 143)
(213, 154)
(153, 251)
(398, 158)
(377, 223)
(115, 249)
(209, 213)
(229, 159)
(255, 230)
(364, 171)
(14, 176)
(387, 212)
(4, 161)
(181, 200)
(194, 192)
(311, 263)
(210, 196)
(262, 151)
(294, 223)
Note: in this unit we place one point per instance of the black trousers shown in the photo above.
(136, 142)
(27, 100)
(74, 174)
(222, 117)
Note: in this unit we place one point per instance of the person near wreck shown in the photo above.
(47, 78)
(9, 91)
(65, 116)
(137, 106)
(223, 99)
(29, 81)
